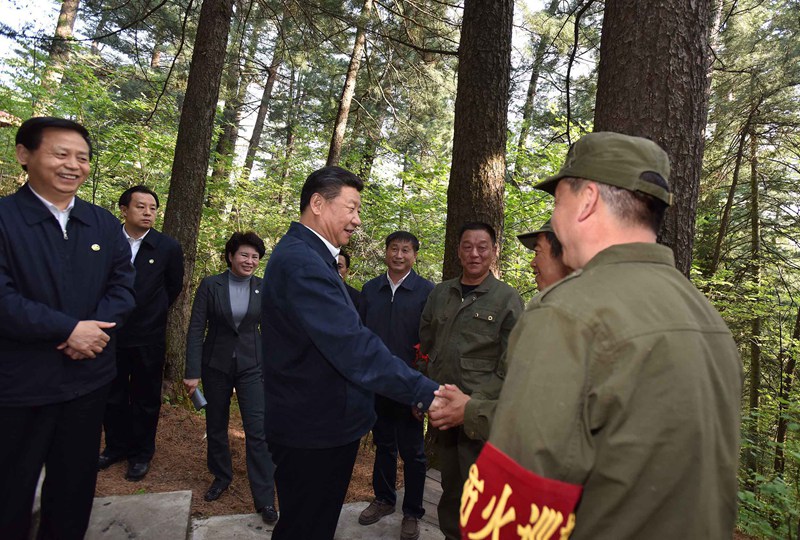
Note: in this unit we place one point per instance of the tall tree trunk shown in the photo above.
(155, 56)
(477, 174)
(726, 212)
(652, 81)
(296, 93)
(263, 107)
(787, 380)
(190, 164)
(533, 83)
(751, 456)
(234, 93)
(98, 31)
(59, 55)
(747, 128)
(339, 127)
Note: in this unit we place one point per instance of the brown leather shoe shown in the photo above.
(374, 512)
(409, 530)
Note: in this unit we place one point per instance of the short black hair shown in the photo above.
(403, 236)
(239, 239)
(556, 249)
(127, 195)
(478, 226)
(328, 182)
(29, 133)
(346, 256)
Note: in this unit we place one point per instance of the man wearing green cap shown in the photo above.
(624, 382)
(548, 262)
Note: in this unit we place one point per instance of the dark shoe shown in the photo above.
(137, 471)
(409, 529)
(214, 492)
(269, 515)
(374, 512)
(105, 461)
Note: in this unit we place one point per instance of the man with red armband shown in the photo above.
(619, 417)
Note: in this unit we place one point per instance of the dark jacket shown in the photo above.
(213, 338)
(395, 318)
(321, 365)
(159, 279)
(49, 283)
(355, 294)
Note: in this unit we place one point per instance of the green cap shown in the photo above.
(614, 159)
(528, 239)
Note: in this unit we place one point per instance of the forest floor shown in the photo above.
(180, 464)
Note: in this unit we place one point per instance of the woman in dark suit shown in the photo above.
(223, 348)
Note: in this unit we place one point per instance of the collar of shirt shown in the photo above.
(62, 216)
(135, 243)
(394, 286)
(334, 250)
(131, 238)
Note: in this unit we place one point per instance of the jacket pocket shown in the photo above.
(483, 321)
(477, 372)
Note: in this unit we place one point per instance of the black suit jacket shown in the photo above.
(213, 337)
(159, 279)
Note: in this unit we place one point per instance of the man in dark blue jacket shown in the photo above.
(66, 282)
(131, 417)
(321, 365)
(391, 306)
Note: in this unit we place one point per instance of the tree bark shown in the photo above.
(190, 164)
(59, 55)
(751, 456)
(787, 380)
(339, 127)
(239, 65)
(533, 83)
(726, 212)
(652, 82)
(477, 174)
(263, 107)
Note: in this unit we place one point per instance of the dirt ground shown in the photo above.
(180, 464)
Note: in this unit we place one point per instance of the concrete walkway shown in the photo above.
(167, 516)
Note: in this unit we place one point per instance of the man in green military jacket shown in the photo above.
(624, 380)
(464, 330)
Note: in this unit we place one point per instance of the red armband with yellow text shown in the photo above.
(502, 500)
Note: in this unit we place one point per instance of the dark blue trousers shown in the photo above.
(395, 430)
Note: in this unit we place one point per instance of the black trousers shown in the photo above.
(312, 484)
(397, 429)
(457, 453)
(249, 385)
(131, 417)
(63, 437)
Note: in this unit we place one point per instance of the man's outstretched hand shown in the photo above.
(437, 403)
(450, 404)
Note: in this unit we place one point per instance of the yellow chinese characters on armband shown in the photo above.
(502, 500)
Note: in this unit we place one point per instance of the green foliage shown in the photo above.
(128, 89)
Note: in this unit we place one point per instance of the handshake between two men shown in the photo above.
(447, 409)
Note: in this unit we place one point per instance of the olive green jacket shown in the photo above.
(467, 341)
(625, 379)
